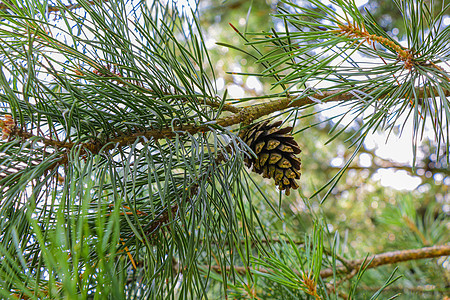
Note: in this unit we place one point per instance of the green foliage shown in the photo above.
(117, 182)
(117, 73)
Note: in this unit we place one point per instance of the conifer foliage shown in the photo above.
(122, 161)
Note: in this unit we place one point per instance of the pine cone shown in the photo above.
(275, 149)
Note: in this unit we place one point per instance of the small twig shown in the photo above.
(354, 31)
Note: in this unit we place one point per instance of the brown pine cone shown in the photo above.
(275, 149)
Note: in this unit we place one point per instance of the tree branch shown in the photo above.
(371, 262)
(390, 258)
(246, 115)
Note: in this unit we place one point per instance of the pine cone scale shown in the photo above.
(259, 147)
(272, 144)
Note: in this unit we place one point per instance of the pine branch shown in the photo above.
(246, 115)
(253, 112)
(390, 258)
(373, 261)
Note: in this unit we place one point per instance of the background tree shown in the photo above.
(124, 138)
